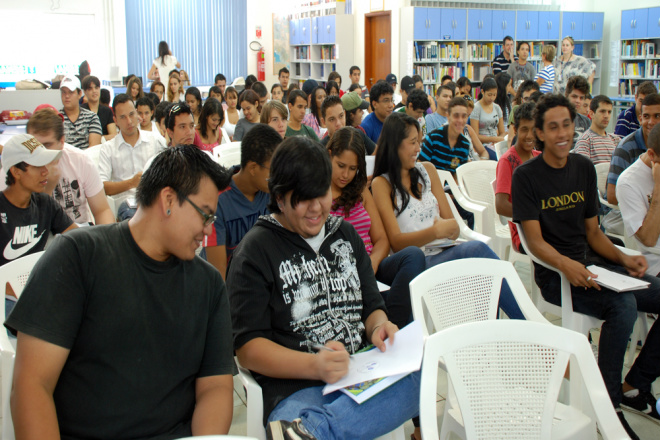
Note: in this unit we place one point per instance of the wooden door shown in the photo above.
(378, 47)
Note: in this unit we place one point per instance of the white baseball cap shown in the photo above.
(26, 148)
(70, 82)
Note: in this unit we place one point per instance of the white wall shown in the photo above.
(260, 13)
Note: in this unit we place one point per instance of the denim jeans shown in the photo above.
(337, 416)
(619, 311)
(124, 212)
(397, 271)
(477, 249)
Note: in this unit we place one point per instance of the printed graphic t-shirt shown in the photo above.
(24, 231)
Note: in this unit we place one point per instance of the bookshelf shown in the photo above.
(638, 63)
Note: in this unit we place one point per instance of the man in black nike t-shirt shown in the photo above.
(26, 214)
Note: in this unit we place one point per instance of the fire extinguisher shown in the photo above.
(261, 61)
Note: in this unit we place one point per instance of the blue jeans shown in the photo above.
(337, 416)
(477, 249)
(619, 311)
(124, 212)
(397, 271)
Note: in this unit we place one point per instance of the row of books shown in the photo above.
(484, 51)
(435, 51)
(652, 69)
(328, 53)
(301, 52)
(434, 74)
(632, 69)
(637, 48)
(478, 71)
(628, 87)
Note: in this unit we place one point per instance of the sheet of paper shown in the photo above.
(616, 281)
(404, 355)
(382, 287)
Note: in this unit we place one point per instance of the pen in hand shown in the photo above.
(319, 347)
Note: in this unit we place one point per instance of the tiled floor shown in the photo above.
(647, 430)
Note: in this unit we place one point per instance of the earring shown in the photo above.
(168, 212)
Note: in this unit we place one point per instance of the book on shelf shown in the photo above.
(651, 69)
(426, 51)
(594, 52)
(476, 72)
(328, 53)
(637, 48)
(632, 68)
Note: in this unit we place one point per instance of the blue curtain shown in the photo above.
(206, 36)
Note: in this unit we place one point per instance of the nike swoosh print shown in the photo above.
(11, 253)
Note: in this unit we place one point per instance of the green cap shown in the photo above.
(352, 100)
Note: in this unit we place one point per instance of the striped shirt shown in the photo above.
(501, 64)
(436, 149)
(548, 75)
(77, 133)
(361, 221)
(596, 147)
(627, 122)
(628, 150)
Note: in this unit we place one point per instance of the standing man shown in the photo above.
(150, 329)
(502, 61)
(382, 106)
(334, 118)
(566, 235)
(354, 73)
(577, 89)
(520, 70)
(92, 88)
(596, 143)
(628, 120)
(82, 128)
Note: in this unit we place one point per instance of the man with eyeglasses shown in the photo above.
(122, 159)
(246, 198)
(382, 103)
(132, 337)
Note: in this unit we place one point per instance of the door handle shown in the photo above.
(549, 25)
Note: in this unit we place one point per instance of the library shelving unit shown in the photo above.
(463, 42)
(316, 48)
(640, 42)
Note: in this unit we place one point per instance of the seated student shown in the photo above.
(260, 89)
(251, 106)
(180, 125)
(596, 143)
(220, 81)
(208, 129)
(245, 199)
(134, 88)
(585, 107)
(122, 159)
(391, 80)
(231, 113)
(215, 92)
(282, 306)
(313, 118)
(297, 106)
(443, 95)
(76, 186)
(477, 149)
(336, 78)
(413, 205)
(158, 88)
(354, 74)
(194, 100)
(628, 120)
(633, 145)
(382, 106)
(522, 151)
(283, 78)
(175, 88)
(523, 95)
(160, 118)
(145, 109)
(568, 238)
(463, 86)
(446, 79)
(277, 92)
(505, 93)
(352, 201)
(355, 107)
(416, 106)
(419, 85)
(407, 86)
(487, 118)
(113, 315)
(92, 88)
(275, 114)
(577, 89)
(82, 127)
(521, 70)
(334, 117)
(105, 98)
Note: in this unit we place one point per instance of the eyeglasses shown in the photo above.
(208, 218)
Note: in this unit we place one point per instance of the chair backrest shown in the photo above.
(94, 154)
(371, 164)
(230, 147)
(475, 177)
(507, 374)
(230, 159)
(602, 170)
(465, 290)
(500, 148)
(15, 274)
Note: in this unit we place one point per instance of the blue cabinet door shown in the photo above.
(316, 24)
(327, 30)
(592, 26)
(549, 26)
(421, 31)
(521, 26)
(446, 24)
(527, 23)
(486, 24)
(459, 31)
(503, 24)
(474, 24)
(435, 23)
(293, 31)
(641, 23)
(654, 23)
(572, 25)
(627, 25)
(305, 31)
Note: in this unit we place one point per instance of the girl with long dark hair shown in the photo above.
(313, 118)
(194, 100)
(210, 122)
(487, 118)
(163, 64)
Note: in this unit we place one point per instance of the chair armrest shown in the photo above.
(631, 252)
(255, 401)
(478, 210)
(606, 203)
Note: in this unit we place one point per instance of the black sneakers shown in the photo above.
(642, 404)
(626, 426)
(283, 430)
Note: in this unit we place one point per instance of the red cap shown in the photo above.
(49, 107)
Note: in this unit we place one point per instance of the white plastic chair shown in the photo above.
(507, 375)
(501, 147)
(573, 320)
(94, 153)
(255, 408)
(602, 170)
(371, 164)
(478, 210)
(229, 159)
(15, 273)
(475, 180)
(227, 148)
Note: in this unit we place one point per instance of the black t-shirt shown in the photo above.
(105, 116)
(139, 333)
(24, 231)
(560, 199)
